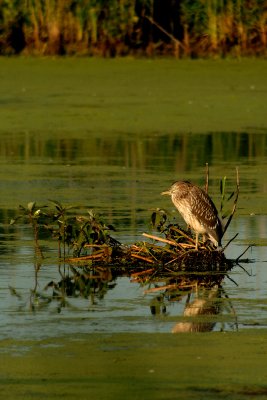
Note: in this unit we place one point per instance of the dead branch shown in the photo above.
(142, 258)
(235, 202)
(161, 239)
(176, 41)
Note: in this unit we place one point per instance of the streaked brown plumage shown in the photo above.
(197, 209)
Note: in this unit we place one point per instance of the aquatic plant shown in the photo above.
(32, 214)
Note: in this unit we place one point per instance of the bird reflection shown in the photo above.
(209, 304)
(200, 311)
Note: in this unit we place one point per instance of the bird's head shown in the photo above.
(177, 187)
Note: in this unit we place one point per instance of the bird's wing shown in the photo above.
(203, 208)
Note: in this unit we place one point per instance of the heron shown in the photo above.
(197, 209)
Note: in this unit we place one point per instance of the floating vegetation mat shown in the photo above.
(160, 259)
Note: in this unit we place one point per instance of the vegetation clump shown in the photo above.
(86, 245)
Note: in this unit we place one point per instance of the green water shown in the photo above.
(202, 366)
(111, 135)
(95, 96)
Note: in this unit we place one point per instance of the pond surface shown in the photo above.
(111, 135)
(121, 178)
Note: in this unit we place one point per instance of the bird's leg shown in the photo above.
(188, 299)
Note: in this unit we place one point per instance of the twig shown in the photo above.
(164, 31)
(227, 244)
(207, 178)
(235, 202)
(244, 269)
(161, 239)
(222, 190)
(142, 258)
(137, 274)
(182, 233)
(95, 245)
(173, 260)
(173, 286)
(187, 246)
(238, 258)
(231, 279)
(85, 258)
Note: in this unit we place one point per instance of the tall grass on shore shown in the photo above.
(186, 28)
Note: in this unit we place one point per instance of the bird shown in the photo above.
(197, 209)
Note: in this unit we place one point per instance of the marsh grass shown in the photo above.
(186, 28)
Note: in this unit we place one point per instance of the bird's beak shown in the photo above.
(167, 192)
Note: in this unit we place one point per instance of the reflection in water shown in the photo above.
(98, 301)
(86, 284)
(190, 151)
(203, 309)
(207, 302)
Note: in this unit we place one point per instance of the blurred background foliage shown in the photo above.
(109, 28)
